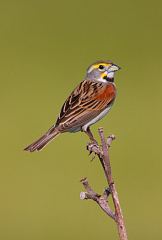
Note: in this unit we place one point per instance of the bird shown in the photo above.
(89, 102)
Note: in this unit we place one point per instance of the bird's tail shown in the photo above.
(43, 141)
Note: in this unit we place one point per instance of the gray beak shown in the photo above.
(113, 68)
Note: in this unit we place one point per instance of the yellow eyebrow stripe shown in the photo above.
(98, 64)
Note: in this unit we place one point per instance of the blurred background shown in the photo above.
(45, 49)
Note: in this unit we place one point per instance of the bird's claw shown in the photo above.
(91, 148)
(93, 157)
(91, 145)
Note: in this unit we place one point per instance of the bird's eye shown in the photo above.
(101, 67)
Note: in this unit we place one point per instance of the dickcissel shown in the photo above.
(90, 101)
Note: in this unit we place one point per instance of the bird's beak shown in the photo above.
(113, 68)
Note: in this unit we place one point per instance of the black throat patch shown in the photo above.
(108, 79)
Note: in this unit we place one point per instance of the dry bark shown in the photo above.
(102, 200)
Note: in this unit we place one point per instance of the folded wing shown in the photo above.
(87, 101)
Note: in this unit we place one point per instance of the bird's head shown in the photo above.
(102, 71)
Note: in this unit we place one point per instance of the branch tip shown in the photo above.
(100, 129)
(112, 136)
(110, 139)
(83, 196)
(83, 180)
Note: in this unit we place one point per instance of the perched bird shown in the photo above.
(90, 101)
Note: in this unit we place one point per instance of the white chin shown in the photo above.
(111, 75)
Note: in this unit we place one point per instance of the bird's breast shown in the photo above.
(108, 92)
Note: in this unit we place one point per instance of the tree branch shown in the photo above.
(102, 200)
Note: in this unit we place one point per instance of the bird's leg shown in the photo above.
(93, 146)
(93, 143)
(90, 135)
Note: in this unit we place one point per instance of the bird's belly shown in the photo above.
(96, 119)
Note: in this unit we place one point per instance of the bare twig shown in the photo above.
(102, 200)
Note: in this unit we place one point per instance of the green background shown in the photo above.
(45, 48)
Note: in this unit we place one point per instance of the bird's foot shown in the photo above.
(94, 148)
(91, 146)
